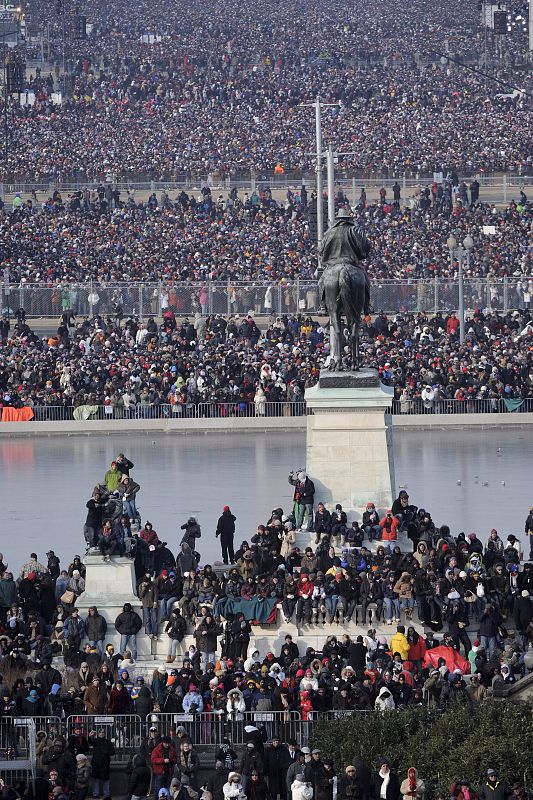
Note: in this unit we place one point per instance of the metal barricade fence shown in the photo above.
(211, 410)
(277, 299)
(125, 731)
(209, 728)
(470, 405)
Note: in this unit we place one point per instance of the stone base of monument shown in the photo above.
(110, 584)
(349, 445)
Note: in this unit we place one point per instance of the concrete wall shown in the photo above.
(251, 424)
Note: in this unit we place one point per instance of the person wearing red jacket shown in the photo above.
(304, 607)
(417, 647)
(389, 527)
(164, 758)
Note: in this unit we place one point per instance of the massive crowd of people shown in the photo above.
(57, 662)
(228, 90)
(188, 239)
(141, 368)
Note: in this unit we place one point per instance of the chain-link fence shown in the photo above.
(211, 297)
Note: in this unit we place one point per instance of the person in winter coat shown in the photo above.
(119, 700)
(186, 560)
(128, 624)
(384, 701)
(461, 790)
(226, 531)
(164, 758)
(217, 780)
(349, 787)
(399, 643)
(206, 638)
(95, 697)
(257, 788)
(95, 629)
(32, 705)
(140, 778)
(233, 789)
(83, 776)
(175, 629)
(301, 789)
(276, 763)
(251, 760)
(142, 699)
(385, 784)
(127, 491)
(192, 532)
(323, 780)
(412, 787)
(389, 526)
(102, 752)
(235, 705)
(494, 788)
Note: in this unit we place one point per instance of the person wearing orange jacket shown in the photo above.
(389, 527)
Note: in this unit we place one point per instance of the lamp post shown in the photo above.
(459, 252)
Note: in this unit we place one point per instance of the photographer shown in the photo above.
(304, 497)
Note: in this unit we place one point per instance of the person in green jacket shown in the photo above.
(112, 477)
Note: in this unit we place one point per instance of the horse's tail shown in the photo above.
(352, 291)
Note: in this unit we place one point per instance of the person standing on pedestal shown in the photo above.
(304, 498)
(128, 624)
(226, 531)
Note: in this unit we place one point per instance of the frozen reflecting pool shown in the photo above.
(46, 482)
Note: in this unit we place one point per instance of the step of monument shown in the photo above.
(271, 638)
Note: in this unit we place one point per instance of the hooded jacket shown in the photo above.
(410, 793)
(384, 700)
(95, 626)
(128, 622)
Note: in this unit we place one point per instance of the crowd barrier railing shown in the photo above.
(281, 410)
(279, 299)
(247, 179)
(124, 730)
(208, 729)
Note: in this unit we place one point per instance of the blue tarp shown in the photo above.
(252, 609)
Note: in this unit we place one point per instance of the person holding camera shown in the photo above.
(304, 498)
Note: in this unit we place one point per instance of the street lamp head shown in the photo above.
(451, 242)
(468, 242)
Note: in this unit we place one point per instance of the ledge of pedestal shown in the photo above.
(349, 392)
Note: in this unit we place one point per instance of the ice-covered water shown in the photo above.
(46, 482)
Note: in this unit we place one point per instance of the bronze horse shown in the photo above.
(344, 287)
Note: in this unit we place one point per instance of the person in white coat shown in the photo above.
(384, 701)
(235, 705)
(301, 789)
(233, 788)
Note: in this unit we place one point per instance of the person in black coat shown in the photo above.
(392, 791)
(276, 763)
(356, 655)
(217, 780)
(102, 751)
(226, 531)
(256, 787)
(349, 787)
(140, 777)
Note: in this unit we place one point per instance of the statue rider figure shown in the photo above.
(345, 243)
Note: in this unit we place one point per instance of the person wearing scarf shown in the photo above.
(384, 784)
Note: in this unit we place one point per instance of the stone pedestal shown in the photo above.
(110, 584)
(349, 440)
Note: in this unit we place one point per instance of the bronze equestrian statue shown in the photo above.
(344, 288)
